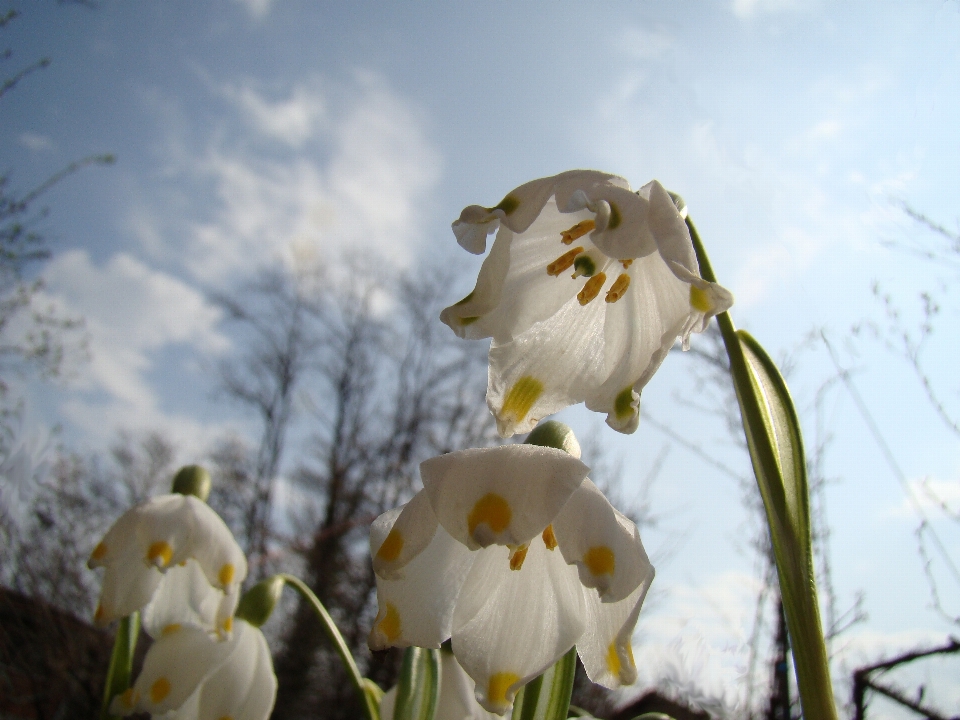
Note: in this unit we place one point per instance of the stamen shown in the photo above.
(626, 263)
(518, 556)
(577, 231)
(618, 288)
(563, 262)
(549, 539)
(592, 288)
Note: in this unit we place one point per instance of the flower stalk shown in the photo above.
(370, 703)
(773, 436)
(121, 662)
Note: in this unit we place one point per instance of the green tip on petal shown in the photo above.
(555, 435)
(192, 480)
(258, 602)
(677, 200)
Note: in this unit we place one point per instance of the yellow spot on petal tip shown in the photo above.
(227, 624)
(159, 554)
(498, 687)
(517, 557)
(618, 288)
(170, 629)
(100, 614)
(159, 690)
(577, 231)
(549, 539)
(592, 288)
(392, 546)
(227, 571)
(564, 262)
(600, 560)
(390, 624)
(699, 300)
(129, 698)
(521, 398)
(99, 552)
(490, 510)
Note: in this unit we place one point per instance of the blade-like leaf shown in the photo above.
(419, 689)
(547, 697)
(776, 449)
(121, 661)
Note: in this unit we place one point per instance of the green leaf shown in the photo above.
(547, 697)
(419, 689)
(773, 436)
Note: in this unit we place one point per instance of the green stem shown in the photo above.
(547, 697)
(793, 555)
(121, 662)
(373, 712)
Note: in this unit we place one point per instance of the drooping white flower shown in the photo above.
(157, 535)
(194, 674)
(457, 695)
(514, 554)
(587, 287)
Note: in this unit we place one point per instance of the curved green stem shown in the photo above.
(773, 436)
(121, 662)
(373, 711)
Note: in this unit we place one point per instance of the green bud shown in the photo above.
(192, 480)
(556, 435)
(258, 602)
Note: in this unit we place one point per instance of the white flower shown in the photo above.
(195, 675)
(587, 287)
(501, 551)
(457, 696)
(157, 535)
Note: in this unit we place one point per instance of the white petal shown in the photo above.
(388, 702)
(244, 687)
(505, 495)
(603, 544)
(399, 535)
(556, 363)
(174, 667)
(458, 693)
(418, 609)
(511, 625)
(639, 330)
(605, 648)
(473, 226)
(669, 229)
(184, 597)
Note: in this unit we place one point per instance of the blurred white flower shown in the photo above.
(501, 551)
(562, 243)
(193, 674)
(156, 536)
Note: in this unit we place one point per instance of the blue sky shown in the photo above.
(248, 131)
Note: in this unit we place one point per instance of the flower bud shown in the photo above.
(192, 480)
(258, 602)
(556, 435)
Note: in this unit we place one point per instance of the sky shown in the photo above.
(251, 131)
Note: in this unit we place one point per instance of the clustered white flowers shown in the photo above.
(510, 552)
(174, 559)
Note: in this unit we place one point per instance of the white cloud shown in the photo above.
(292, 121)
(644, 44)
(745, 9)
(131, 312)
(258, 9)
(35, 142)
(368, 197)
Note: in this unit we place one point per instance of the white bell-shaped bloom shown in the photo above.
(587, 287)
(193, 674)
(514, 554)
(160, 534)
(457, 695)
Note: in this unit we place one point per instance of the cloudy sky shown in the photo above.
(253, 131)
